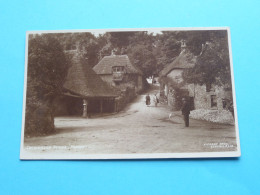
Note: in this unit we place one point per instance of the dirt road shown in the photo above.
(136, 129)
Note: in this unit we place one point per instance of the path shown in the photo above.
(136, 129)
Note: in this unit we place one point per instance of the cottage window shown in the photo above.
(224, 103)
(213, 101)
(118, 73)
(118, 69)
(208, 87)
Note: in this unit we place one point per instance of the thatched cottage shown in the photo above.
(118, 71)
(200, 96)
(85, 92)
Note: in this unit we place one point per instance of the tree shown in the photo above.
(47, 69)
(120, 39)
(212, 65)
(169, 44)
(143, 58)
(167, 49)
(86, 43)
(141, 52)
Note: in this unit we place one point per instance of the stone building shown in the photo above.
(200, 96)
(118, 71)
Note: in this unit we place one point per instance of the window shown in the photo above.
(213, 101)
(118, 69)
(208, 87)
(224, 103)
(118, 73)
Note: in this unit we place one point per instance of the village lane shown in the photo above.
(136, 129)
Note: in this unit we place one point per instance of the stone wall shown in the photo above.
(215, 98)
(202, 98)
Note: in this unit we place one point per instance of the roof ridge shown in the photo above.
(82, 79)
(185, 59)
(105, 65)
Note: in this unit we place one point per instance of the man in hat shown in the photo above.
(185, 111)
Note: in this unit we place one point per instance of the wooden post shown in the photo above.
(85, 108)
(101, 105)
(115, 106)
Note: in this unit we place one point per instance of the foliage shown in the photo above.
(167, 48)
(120, 39)
(142, 57)
(175, 90)
(212, 65)
(86, 43)
(149, 52)
(47, 69)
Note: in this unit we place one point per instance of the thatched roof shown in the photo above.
(83, 81)
(185, 60)
(105, 65)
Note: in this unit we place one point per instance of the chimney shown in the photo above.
(113, 52)
(183, 45)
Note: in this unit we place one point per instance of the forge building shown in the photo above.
(84, 91)
(200, 96)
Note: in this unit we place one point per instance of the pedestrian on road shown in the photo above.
(155, 100)
(147, 100)
(185, 111)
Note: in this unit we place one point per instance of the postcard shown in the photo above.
(146, 93)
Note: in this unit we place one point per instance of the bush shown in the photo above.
(47, 69)
(38, 121)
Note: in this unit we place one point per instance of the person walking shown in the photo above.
(185, 111)
(147, 100)
(155, 100)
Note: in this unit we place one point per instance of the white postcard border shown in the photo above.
(26, 155)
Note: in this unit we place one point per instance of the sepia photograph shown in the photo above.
(129, 94)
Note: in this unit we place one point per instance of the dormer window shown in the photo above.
(118, 69)
(118, 73)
